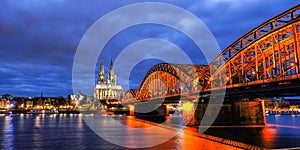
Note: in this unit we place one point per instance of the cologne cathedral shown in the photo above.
(108, 90)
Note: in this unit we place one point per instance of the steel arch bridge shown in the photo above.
(169, 80)
(267, 54)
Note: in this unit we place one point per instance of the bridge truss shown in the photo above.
(268, 53)
(164, 80)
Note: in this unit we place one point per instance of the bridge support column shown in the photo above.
(225, 115)
(167, 109)
(188, 109)
(235, 113)
(151, 112)
(131, 110)
(250, 113)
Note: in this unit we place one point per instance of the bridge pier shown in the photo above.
(250, 113)
(131, 110)
(150, 111)
(234, 113)
(188, 109)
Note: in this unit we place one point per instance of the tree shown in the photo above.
(7, 96)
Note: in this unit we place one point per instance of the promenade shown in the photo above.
(192, 139)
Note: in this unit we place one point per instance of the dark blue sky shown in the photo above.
(39, 38)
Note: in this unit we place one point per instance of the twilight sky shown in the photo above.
(39, 38)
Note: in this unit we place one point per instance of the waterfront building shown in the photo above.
(79, 98)
(108, 90)
(29, 104)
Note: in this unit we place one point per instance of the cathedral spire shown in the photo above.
(101, 76)
(111, 75)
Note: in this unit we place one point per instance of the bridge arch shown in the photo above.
(267, 53)
(165, 79)
(130, 96)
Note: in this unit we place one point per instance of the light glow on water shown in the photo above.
(71, 132)
(8, 130)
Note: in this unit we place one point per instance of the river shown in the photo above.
(61, 131)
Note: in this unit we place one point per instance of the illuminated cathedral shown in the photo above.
(108, 89)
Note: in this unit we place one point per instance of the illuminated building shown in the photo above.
(108, 90)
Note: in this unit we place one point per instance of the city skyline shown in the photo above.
(39, 39)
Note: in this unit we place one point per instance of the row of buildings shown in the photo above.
(34, 103)
(107, 95)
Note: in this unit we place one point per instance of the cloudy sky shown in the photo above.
(39, 38)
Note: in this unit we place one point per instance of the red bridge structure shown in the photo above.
(262, 63)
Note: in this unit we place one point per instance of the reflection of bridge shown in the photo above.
(265, 61)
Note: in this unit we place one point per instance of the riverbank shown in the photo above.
(194, 132)
(280, 132)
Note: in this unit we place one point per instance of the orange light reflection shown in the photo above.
(268, 134)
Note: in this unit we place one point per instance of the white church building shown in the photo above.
(107, 89)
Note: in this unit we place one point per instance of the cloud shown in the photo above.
(38, 39)
(231, 19)
(23, 80)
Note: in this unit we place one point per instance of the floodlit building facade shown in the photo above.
(108, 89)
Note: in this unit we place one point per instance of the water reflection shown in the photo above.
(268, 136)
(280, 132)
(71, 132)
(8, 132)
(36, 137)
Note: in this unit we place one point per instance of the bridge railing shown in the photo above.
(280, 80)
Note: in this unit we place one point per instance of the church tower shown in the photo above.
(108, 90)
(101, 76)
(111, 75)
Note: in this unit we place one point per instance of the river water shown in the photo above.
(27, 131)
(281, 131)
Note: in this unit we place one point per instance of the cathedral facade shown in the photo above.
(108, 89)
